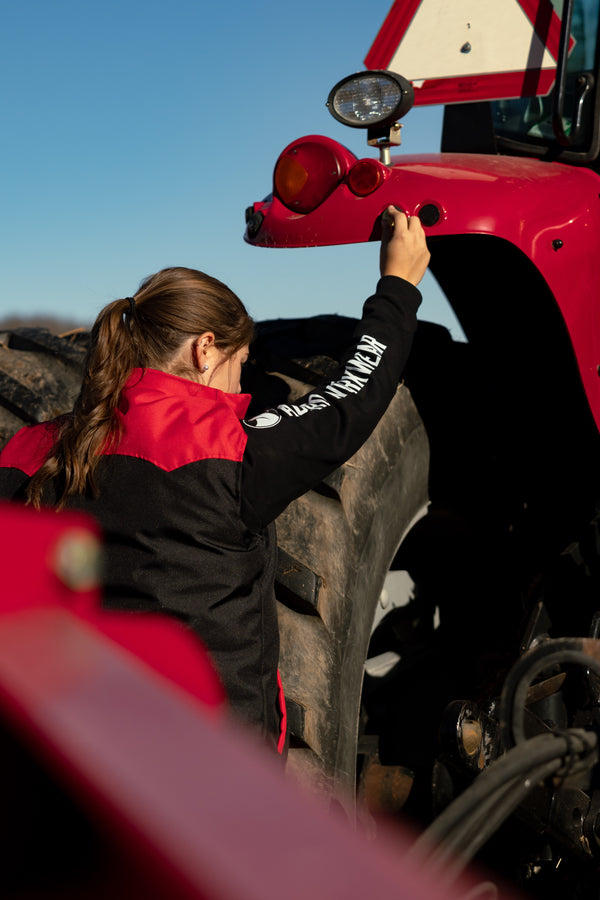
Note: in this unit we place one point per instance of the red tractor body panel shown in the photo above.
(549, 211)
(119, 783)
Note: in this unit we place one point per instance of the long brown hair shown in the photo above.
(146, 330)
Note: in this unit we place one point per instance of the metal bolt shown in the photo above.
(466, 48)
(557, 244)
(471, 736)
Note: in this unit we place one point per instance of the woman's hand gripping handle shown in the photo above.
(404, 250)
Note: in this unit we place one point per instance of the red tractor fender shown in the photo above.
(549, 211)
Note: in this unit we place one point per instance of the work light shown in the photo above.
(370, 99)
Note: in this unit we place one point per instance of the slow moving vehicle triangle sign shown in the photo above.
(455, 51)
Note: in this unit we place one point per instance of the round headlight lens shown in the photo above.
(370, 99)
(367, 100)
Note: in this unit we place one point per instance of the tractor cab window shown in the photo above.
(528, 121)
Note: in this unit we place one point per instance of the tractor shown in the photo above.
(463, 625)
(438, 595)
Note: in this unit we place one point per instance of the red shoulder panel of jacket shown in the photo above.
(172, 422)
(168, 421)
(28, 449)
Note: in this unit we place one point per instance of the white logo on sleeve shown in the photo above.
(354, 377)
(265, 420)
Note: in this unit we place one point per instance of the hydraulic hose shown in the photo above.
(472, 818)
(467, 838)
(517, 763)
(560, 651)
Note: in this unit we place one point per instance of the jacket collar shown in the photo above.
(189, 391)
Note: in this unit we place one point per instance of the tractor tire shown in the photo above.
(336, 544)
(40, 376)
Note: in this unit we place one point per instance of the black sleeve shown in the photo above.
(13, 483)
(293, 447)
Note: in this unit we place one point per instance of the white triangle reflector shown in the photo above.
(455, 51)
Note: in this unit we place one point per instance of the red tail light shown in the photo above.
(307, 172)
(366, 176)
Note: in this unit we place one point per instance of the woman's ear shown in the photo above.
(202, 351)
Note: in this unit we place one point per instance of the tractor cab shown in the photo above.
(564, 123)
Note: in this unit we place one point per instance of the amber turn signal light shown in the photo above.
(305, 174)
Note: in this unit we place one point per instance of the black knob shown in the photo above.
(429, 214)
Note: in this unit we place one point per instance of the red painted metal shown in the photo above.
(184, 805)
(33, 545)
(527, 202)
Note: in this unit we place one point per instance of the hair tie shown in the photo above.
(131, 301)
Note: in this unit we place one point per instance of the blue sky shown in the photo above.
(135, 134)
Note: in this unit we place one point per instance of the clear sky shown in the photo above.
(136, 133)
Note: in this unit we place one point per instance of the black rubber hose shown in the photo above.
(542, 748)
(471, 819)
(462, 844)
(579, 651)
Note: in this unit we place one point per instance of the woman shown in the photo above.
(185, 490)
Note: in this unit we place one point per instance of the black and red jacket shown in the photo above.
(188, 499)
